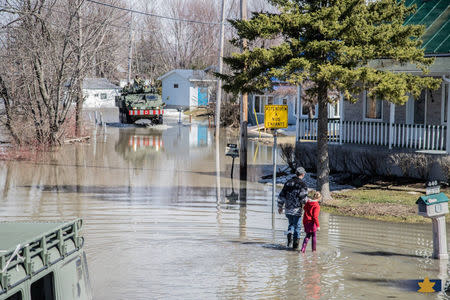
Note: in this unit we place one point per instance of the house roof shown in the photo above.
(189, 74)
(435, 16)
(99, 84)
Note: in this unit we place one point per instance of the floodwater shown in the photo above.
(155, 228)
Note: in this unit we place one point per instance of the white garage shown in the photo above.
(187, 88)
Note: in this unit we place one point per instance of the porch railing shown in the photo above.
(414, 136)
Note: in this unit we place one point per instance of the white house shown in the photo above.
(187, 88)
(99, 92)
(419, 125)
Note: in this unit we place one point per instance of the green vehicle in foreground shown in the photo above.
(43, 261)
(139, 102)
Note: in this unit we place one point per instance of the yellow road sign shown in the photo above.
(276, 116)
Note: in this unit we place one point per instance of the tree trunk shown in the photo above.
(79, 98)
(323, 169)
(7, 102)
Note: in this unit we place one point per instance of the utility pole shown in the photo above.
(218, 100)
(130, 43)
(219, 82)
(244, 111)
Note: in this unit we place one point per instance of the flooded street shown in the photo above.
(155, 229)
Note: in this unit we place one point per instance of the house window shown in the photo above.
(334, 110)
(257, 104)
(175, 85)
(270, 100)
(372, 108)
(103, 96)
(284, 101)
(43, 288)
(96, 95)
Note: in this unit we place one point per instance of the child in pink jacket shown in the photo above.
(311, 220)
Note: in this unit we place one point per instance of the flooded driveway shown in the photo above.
(155, 228)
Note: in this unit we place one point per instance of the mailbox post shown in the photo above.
(179, 109)
(233, 151)
(434, 205)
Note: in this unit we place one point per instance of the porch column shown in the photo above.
(448, 116)
(391, 122)
(426, 108)
(341, 117)
(298, 112)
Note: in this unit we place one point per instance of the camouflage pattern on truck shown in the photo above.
(138, 101)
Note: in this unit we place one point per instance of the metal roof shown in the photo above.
(99, 84)
(433, 199)
(15, 233)
(435, 16)
(190, 75)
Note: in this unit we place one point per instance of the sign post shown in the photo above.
(275, 116)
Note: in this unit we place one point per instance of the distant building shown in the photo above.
(187, 88)
(99, 92)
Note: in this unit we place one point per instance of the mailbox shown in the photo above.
(434, 205)
(232, 150)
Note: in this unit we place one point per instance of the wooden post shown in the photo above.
(298, 112)
(439, 238)
(244, 112)
(391, 122)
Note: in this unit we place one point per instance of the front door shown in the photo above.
(202, 96)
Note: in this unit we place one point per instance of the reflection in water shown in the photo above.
(218, 196)
(139, 145)
(168, 221)
(312, 278)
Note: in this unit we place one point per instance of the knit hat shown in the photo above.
(299, 171)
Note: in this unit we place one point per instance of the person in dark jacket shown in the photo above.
(292, 197)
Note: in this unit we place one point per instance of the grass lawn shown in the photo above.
(378, 203)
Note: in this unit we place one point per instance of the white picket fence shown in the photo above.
(414, 136)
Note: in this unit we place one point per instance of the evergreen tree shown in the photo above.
(329, 43)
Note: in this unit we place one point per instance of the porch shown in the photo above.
(392, 135)
(420, 125)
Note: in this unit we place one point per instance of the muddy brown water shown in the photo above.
(155, 228)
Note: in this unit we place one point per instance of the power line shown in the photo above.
(90, 21)
(152, 15)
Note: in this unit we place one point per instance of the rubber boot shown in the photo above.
(289, 239)
(303, 247)
(295, 244)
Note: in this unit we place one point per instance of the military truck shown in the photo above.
(40, 260)
(138, 101)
